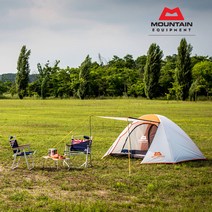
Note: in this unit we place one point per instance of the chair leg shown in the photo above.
(87, 161)
(25, 156)
(17, 159)
(66, 162)
(33, 162)
(14, 161)
(90, 160)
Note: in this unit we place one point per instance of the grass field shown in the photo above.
(107, 186)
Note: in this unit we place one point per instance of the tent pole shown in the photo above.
(90, 124)
(129, 148)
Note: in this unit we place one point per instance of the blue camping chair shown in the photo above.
(80, 147)
(19, 152)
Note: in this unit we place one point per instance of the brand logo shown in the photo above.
(171, 22)
(157, 154)
(171, 14)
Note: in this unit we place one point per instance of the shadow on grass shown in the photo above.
(63, 169)
(199, 163)
(194, 163)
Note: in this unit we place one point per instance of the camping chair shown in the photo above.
(21, 151)
(80, 147)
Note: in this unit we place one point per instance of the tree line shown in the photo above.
(179, 76)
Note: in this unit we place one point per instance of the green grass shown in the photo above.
(107, 186)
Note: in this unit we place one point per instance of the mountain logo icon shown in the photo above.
(171, 14)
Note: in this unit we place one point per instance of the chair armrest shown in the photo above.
(21, 147)
(24, 145)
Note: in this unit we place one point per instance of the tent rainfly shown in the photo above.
(156, 139)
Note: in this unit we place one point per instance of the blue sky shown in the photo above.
(69, 30)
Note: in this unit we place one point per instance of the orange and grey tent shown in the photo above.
(156, 139)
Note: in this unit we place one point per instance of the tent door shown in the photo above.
(151, 134)
(148, 137)
(139, 139)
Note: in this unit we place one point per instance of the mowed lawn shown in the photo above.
(112, 184)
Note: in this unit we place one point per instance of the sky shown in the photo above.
(69, 30)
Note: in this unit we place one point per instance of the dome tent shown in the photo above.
(156, 139)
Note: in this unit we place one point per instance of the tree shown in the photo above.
(196, 59)
(117, 62)
(23, 70)
(129, 62)
(3, 88)
(183, 68)
(140, 63)
(47, 80)
(167, 74)
(74, 81)
(152, 71)
(97, 82)
(84, 73)
(202, 80)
